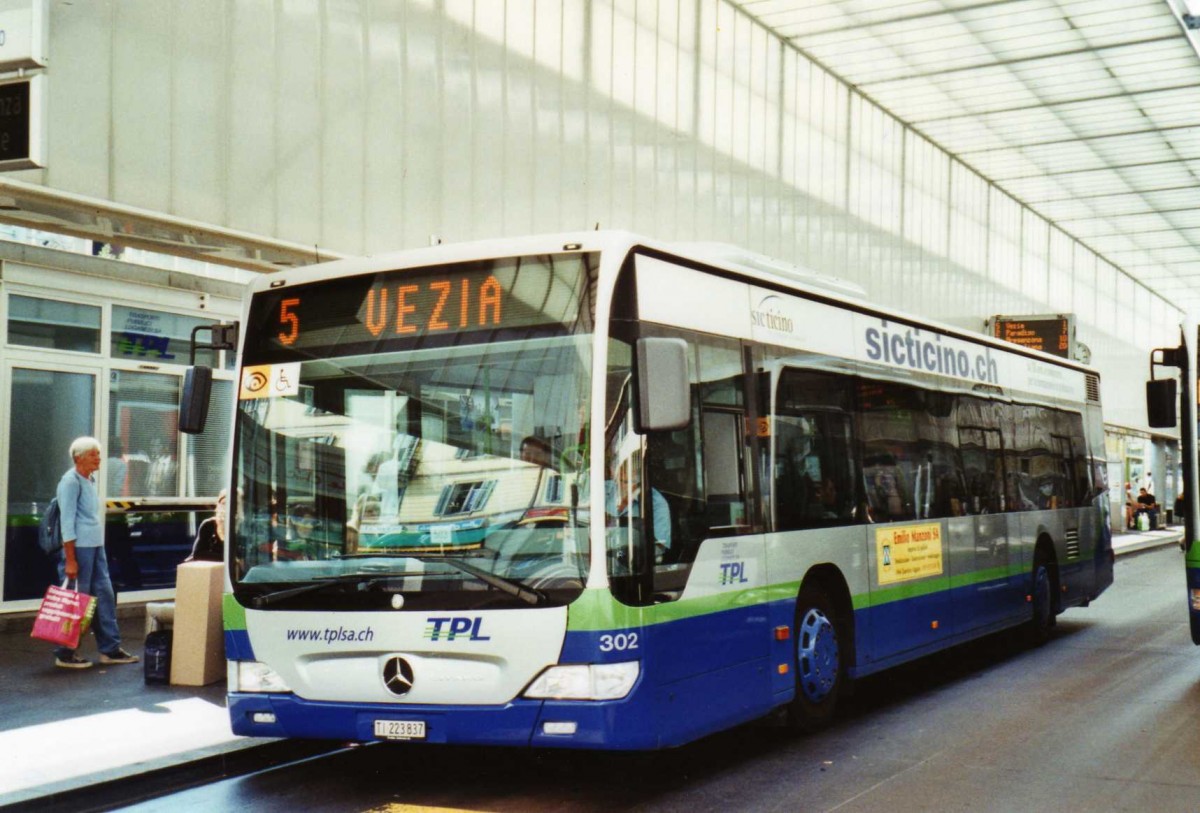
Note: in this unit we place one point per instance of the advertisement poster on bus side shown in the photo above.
(908, 552)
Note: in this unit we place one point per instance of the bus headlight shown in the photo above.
(595, 681)
(253, 676)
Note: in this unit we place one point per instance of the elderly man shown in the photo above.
(82, 559)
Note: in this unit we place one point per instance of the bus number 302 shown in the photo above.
(619, 642)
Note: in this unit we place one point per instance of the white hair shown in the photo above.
(83, 445)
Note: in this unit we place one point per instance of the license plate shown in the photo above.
(400, 729)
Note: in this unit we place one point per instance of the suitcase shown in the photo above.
(156, 657)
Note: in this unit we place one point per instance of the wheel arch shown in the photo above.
(833, 583)
(1045, 551)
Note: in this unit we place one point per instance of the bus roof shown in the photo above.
(751, 266)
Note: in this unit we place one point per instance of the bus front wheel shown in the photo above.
(819, 661)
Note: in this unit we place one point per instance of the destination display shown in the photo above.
(357, 312)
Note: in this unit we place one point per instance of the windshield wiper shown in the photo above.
(364, 580)
(526, 594)
(513, 588)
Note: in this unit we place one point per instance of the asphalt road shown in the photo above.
(1104, 717)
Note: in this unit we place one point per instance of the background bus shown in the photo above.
(1171, 402)
(759, 487)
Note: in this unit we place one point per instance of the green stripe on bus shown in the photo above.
(987, 575)
(233, 613)
(1192, 561)
(596, 609)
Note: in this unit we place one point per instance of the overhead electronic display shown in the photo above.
(22, 127)
(1051, 333)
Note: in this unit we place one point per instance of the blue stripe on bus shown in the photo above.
(1193, 584)
(237, 646)
(699, 675)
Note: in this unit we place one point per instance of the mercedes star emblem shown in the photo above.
(398, 676)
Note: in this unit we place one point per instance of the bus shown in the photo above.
(753, 487)
(1171, 403)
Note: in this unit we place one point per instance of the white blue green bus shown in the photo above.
(1171, 403)
(751, 486)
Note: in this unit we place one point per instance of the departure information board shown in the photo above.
(1051, 333)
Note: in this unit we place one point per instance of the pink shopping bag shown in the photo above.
(64, 616)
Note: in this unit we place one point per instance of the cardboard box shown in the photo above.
(198, 645)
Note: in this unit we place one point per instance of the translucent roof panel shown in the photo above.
(1087, 111)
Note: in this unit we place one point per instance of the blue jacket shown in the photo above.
(79, 504)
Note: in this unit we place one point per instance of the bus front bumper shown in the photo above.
(536, 723)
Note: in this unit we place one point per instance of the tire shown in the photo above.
(819, 661)
(1042, 592)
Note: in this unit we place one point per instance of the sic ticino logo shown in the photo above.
(452, 628)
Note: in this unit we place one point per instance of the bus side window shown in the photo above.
(814, 484)
(671, 463)
(888, 488)
(698, 475)
(981, 453)
(724, 472)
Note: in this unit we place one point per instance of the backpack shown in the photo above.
(50, 530)
(156, 657)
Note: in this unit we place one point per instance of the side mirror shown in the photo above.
(193, 403)
(1161, 402)
(664, 399)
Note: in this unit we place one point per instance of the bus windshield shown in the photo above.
(436, 468)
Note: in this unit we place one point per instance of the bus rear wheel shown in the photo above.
(1041, 598)
(818, 663)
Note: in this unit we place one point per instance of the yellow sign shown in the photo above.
(908, 552)
(268, 380)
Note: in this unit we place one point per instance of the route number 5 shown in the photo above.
(287, 317)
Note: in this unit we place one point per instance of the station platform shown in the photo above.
(62, 730)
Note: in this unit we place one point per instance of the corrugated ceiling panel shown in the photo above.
(1086, 110)
(1183, 220)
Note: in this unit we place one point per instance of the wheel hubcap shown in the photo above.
(817, 655)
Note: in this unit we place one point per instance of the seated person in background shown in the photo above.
(210, 536)
(827, 499)
(535, 450)
(1148, 505)
(299, 543)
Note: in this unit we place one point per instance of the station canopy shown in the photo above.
(44, 209)
(1087, 111)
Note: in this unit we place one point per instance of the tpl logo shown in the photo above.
(449, 628)
(733, 573)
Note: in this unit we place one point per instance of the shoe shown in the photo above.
(73, 661)
(120, 656)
